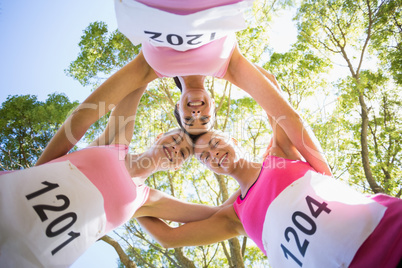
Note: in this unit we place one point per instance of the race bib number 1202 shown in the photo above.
(141, 23)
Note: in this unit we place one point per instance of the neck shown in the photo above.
(246, 173)
(140, 165)
(192, 82)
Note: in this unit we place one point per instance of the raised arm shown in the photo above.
(221, 226)
(134, 75)
(245, 75)
(120, 126)
(280, 145)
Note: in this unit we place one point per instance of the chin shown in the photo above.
(222, 171)
(165, 165)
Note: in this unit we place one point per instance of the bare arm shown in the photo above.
(134, 75)
(245, 75)
(280, 145)
(164, 206)
(120, 127)
(221, 226)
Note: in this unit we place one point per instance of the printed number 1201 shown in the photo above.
(71, 217)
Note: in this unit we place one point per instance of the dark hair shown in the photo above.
(177, 115)
(194, 138)
(177, 82)
(176, 111)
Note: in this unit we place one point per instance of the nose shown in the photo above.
(215, 154)
(195, 113)
(176, 150)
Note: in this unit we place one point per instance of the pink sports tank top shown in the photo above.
(52, 213)
(276, 174)
(105, 167)
(184, 7)
(210, 59)
(380, 247)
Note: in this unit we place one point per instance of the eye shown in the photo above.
(215, 144)
(182, 153)
(175, 140)
(204, 157)
(204, 118)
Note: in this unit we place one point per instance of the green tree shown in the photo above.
(101, 53)
(354, 32)
(27, 125)
(356, 118)
(387, 37)
(153, 117)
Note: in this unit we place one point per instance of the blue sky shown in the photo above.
(39, 39)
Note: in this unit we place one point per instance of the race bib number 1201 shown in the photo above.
(49, 215)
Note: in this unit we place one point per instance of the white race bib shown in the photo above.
(49, 216)
(318, 222)
(141, 23)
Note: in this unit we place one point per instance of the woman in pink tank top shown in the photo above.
(50, 214)
(296, 216)
(195, 108)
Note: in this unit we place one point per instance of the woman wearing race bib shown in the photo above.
(50, 214)
(296, 216)
(209, 26)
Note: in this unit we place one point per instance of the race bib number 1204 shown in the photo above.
(317, 222)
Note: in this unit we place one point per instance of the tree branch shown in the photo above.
(122, 255)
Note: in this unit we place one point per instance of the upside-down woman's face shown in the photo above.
(216, 152)
(197, 111)
(172, 149)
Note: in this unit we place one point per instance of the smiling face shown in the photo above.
(216, 152)
(197, 111)
(172, 149)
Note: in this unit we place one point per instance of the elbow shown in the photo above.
(164, 244)
(168, 243)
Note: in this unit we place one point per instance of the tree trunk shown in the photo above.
(235, 252)
(364, 144)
